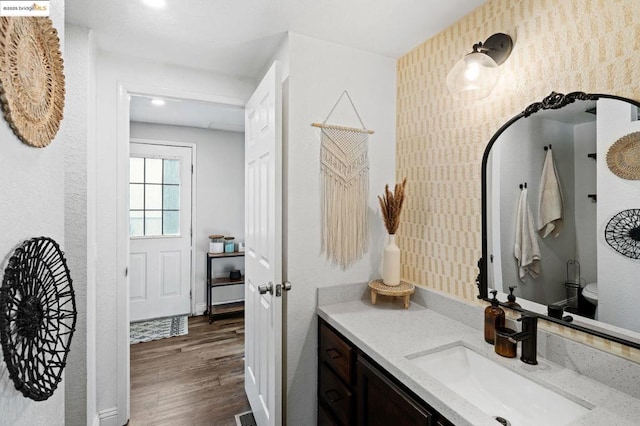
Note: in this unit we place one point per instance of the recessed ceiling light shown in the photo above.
(156, 4)
(157, 102)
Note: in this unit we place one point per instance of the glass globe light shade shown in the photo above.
(473, 77)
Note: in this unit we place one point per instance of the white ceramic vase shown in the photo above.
(391, 263)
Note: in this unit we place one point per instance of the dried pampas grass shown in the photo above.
(391, 206)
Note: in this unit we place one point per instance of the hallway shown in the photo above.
(192, 380)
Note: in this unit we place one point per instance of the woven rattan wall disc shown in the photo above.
(31, 78)
(623, 158)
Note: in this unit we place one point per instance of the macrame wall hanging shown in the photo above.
(344, 165)
(37, 317)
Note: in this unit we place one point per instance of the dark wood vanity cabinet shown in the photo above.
(336, 378)
(382, 403)
(354, 390)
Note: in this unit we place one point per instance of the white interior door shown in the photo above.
(159, 231)
(263, 257)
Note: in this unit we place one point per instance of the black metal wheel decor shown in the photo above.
(623, 233)
(37, 317)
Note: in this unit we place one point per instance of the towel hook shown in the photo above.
(523, 185)
(546, 148)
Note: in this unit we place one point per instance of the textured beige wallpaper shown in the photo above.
(560, 45)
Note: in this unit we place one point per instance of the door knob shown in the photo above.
(264, 288)
(286, 286)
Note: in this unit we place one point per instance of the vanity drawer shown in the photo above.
(336, 396)
(337, 353)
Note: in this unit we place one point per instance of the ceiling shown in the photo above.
(190, 113)
(238, 37)
(575, 113)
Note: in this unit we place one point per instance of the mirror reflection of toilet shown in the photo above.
(590, 292)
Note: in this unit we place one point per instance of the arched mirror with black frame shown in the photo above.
(555, 152)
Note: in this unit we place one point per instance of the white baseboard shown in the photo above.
(228, 301)
(109, 417)
(200, 308)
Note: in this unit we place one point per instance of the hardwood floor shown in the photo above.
(192, 380)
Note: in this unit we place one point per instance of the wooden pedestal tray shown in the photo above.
(404, 290)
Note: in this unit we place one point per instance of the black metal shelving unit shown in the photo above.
(228, 308)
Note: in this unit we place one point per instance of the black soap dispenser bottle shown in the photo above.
(511, 298)
(493, 317)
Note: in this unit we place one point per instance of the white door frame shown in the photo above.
(194, 216)
(122, 224)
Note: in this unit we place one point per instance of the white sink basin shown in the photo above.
(497, 390)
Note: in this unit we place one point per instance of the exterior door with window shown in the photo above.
(159, 231)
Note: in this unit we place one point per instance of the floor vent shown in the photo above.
(245, 419)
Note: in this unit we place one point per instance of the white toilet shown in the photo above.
(590, 292)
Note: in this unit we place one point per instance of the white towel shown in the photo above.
(550, 209)
(526, 249)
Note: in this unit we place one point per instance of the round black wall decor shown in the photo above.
(37, 317)
(623, 233)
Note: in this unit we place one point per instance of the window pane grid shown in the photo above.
(158, 184)
(147, 221)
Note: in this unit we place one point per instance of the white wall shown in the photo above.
(586, 208)
(112, 162)
(79, 232)
(281, 55)
(32, 200)
(219, 167)
(318, 73)
(618, 290)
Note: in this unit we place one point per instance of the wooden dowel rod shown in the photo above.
(351, 129)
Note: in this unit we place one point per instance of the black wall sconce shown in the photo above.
(477, 73)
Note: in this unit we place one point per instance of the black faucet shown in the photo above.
(529, 338)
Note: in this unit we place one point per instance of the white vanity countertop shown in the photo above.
(387, 333)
